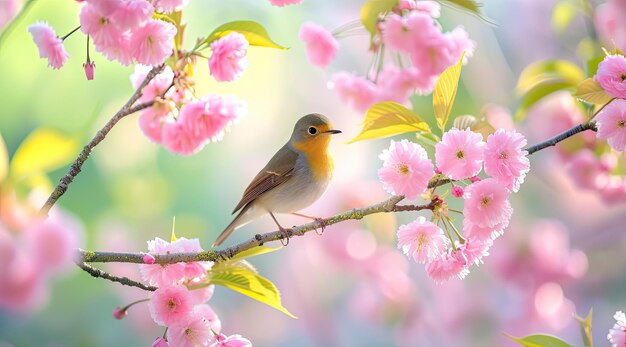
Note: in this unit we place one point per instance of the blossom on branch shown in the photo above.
(49, 45)
(406, 169)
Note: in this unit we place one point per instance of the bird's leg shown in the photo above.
(282, 231)
(317, 219)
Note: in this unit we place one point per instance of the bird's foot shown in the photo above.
(286, 234)
(322, 223)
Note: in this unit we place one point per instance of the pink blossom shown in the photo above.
(281, 3)
(169, 6)
(611, 75)
(617, 334)
(52, 241)
(179, 138)
(104, 7)
(421, 240)
(586, 169)
(354, 90)
(119, 313)
(432, 8)
(474, 250)
(229, 57)
(321, 45)
(22, 286)
(148, 259)
(157, 86)
(554, 114)
(8, 10)
(611, 122)
(206, 312)
(396, 84)
(406, 169)
(132, 14)
(487, 204)
(89, 67)
(151, 123)
(446, 266)
(457, 191)
(99, 26)
(192, 330)
(160, 342)
(612, 188)
(207, 119)
(459, 154)
(609, 21)
(118, 50)
(153, 42)
(473, 231)
(408, 33)
(231, 341)
(169, 304)
(49, 45)
(161, 275)
(505, 160)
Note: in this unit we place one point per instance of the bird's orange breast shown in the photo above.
(318, 157)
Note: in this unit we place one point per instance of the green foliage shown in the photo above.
(371, 11)
(254, 252)
(254, 32)
(241, 277)
(591, 92)
(543, 78)
(471, 6)
(562, 15)
(445, 92)
(390, 118)
(585, 328)
(4, 160)
(539, 340)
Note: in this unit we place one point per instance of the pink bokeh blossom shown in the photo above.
(281, 3)
(49, 45)
(505, 159)
(406, 169)
(487, 204)
(611, 75)
(169, 6)
(321, 45)
(617, 334)
(611, 122)
(459, 154)
(231, 341)
(422, 240)
(354, 90)
(170, 304)
(229, 57)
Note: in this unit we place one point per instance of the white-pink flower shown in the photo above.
(169, 304)
(611, 122)
(153, 42)
(281, 3)
(231, 341)
(617, 334)
(611, 75)
(229, 57)
(49, 45)
(487, 204)
(459, 154)
(169, 6)
(354, 90)
(192, 330)
(406, 169)
(447, 265)
(422, 240)
(321, 45)
(473, 231)
(505, 160)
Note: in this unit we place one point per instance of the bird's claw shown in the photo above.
(285, 237)
(322, 224)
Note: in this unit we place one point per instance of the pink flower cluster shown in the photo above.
(611, 122)
(617, 334)
(33, 253)
(460, 156)
(611, 75)
(179, 121)
(411, 32)
(229, 57)
(124, 30)
(50, 46)
(321, 45)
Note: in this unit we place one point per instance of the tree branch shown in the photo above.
(389, 205)
(127, 109)
(562, 136)
(97, 273)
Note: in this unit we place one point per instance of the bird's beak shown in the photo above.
(332, 132)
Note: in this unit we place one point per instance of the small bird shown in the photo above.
(295, 177)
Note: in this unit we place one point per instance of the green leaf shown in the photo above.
(42, 151)
(254, 252)
(539, 340)
(590, 91)
(562, 15)
(389, 118)
(173, 238)
(585, 328)
(371, 10)
(241, 278)
(445, 92)
(471, 6)
(592, 65)
(537, 93)
(4, 160)
(254, 32)
(549, 71)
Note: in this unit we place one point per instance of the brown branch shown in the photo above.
(387, 206)
(562, 136)
(97, 273)
(74, 170)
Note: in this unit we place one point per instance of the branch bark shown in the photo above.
(97, 273)
(126, 110)
(562, 136)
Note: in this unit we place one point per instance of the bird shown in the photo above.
(294, 178)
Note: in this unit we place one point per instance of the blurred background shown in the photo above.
(562, 254)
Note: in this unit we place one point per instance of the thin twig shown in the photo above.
(97, 273)
(562, 136)
(65, 181)
(387, 206)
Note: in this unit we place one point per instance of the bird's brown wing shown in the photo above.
(277, 171)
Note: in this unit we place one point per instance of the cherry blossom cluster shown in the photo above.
(460, 156)
(417, 48)
(33, 251)
(179, 303)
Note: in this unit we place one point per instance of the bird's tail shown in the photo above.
(243, 217)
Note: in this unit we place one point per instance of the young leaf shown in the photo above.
(549, 71)
(539, 340)
(585, 328)
(464, 122)
(254, 32)
(254, 252)
(42, 151)
(562, 15)
(372, 9)
(471, 6)
(244, 280)
(537, 93)
(590, 91)
(389, 118)
(173, 238)
(445, 92)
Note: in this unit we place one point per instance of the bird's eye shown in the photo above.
(312, 130)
